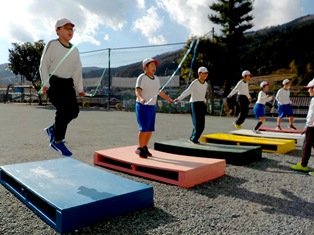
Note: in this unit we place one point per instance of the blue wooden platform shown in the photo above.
(68, 194)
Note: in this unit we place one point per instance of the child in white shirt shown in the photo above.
(309, 135)
(197, 90)
(147, 88)
(61, 73)
(259, 107)
(244, 97)
(284, 104)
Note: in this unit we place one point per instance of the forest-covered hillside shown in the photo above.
(287, 46)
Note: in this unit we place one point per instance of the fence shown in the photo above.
(110, 75)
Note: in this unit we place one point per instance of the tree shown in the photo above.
(24, 60)
(205, 53)
(234, 18)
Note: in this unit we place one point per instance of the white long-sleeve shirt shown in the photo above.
(263, 98)
(197, 90)
(242, 88)
(283, 96)
(70, 66)
(310, 115)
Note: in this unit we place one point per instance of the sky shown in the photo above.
(101, 24)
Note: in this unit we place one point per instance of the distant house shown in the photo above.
(91, 83)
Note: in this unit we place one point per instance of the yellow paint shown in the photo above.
(268, 144)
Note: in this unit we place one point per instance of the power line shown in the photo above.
(134, 47)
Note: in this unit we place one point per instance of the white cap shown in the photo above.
(264, 83)
(246, 73)
(146, 61)
(310, 84)
(202, 70)
(62, 22)
(285, 82)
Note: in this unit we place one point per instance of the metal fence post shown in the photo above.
(109, 79)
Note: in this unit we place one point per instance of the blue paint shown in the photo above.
(68, 194)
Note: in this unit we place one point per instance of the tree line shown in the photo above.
(226, 55)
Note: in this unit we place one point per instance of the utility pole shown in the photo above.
(109, 78)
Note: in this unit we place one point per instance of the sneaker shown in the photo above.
(50, 133)
(257, 131)
(311, 173)
(237, 126)
(147, 152)
(299, 167)
(278, 128)
(61, 148)
(141, 152)
(193, 142)
(293, 127)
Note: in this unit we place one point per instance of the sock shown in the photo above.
(258, 125)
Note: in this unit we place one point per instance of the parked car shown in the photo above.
(100, 101)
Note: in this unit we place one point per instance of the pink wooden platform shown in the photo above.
(169, 168)
(283, 130)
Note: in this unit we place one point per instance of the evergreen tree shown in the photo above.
(234, 18)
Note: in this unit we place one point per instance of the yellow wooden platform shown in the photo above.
(268, 144)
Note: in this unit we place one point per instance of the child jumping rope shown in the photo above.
(259, 107)
(61, 73)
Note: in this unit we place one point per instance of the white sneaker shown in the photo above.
(256, 131)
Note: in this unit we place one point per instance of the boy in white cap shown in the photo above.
(284, 104)
(259, 107)
(197, 90)
(243, 98)
(61, 73)
(308, 143)
(147, 89)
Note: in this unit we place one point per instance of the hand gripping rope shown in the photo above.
(174, 73)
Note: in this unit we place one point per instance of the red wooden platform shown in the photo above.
(283, 130)
(169, 168)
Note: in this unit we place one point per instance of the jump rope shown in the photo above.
(56, 68)
(194, 42)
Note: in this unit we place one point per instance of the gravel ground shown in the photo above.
(261, 198)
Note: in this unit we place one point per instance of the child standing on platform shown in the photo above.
(243, 98)
(284, 104)
(147, 89)
(61, 73)
(259, 107)
(309, 134)
(197, 90)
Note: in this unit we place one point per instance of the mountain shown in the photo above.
(6, 76)
(168, 64)
(286, 46)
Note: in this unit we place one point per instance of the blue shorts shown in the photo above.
(146, 116)
(285, 110)
(259, 110)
